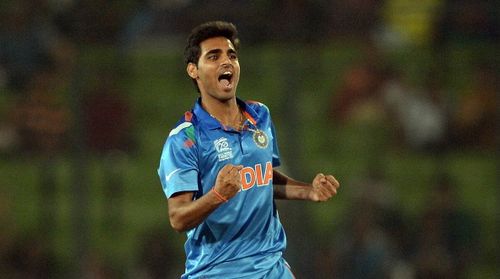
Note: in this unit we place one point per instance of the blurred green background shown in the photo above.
(397, 99)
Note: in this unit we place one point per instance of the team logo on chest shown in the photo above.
(224, 151)
(260, 138)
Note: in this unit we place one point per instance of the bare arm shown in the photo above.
(322, 188)
(185, 213)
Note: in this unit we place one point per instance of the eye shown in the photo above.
(233, 56)
(212, 57)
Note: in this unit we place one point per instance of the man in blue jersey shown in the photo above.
(218, 170)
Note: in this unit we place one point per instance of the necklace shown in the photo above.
(237, 124)
(259, 137)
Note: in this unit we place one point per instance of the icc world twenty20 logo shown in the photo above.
(224, 151)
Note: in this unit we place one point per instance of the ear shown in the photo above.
(192, 70)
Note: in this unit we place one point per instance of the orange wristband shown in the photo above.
(219, 196)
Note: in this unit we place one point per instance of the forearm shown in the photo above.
(288, 188)
(185, 214)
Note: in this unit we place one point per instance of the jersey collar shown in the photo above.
(212, 123)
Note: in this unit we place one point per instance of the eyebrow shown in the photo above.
(214, 51)
(218, 50)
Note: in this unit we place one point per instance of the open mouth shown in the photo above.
(225, 78)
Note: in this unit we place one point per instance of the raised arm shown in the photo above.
(322, 188)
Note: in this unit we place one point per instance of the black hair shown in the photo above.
(206, 31)
(202, 32)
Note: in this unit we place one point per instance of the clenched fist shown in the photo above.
(323, 187)
(228, 181)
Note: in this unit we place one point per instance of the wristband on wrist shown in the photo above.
(219, 196)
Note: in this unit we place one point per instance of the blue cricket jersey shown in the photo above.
(242, 238)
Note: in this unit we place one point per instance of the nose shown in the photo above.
(226, 60)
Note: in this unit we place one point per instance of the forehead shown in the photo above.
(221, 43)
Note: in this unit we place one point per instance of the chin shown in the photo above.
(226, 98)
(221, 95)
(227, 94)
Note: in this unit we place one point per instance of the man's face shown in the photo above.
(218, 70)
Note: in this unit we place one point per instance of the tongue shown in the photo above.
(224, 82)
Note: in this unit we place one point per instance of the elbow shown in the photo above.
(178, 226)
(177, 223)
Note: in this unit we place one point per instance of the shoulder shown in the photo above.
(258, 107)
(184, 130)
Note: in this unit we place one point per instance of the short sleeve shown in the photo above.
(178, 169)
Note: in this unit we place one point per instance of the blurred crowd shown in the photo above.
(40, 43)
(375, 240)
(424, 116)
(53, 99)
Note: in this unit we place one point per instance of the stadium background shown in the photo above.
(397, 98)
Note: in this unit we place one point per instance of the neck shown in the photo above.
(225, 112)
